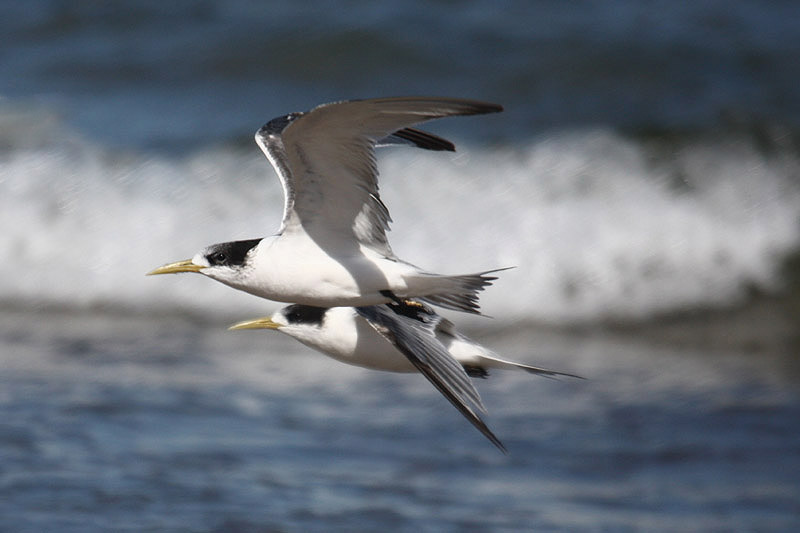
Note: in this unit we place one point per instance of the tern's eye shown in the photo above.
(218, 258)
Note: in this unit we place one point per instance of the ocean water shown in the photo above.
(128, 423)
(643, 181)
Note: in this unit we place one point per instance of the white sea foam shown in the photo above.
(596, 226)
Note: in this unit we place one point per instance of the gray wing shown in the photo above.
(411, 329)
(325, 159)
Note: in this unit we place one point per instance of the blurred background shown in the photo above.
(644, 180)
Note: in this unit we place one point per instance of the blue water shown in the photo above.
(643, 179)
(133, 424)
(173, 74)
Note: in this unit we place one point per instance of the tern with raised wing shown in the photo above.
(331, 248)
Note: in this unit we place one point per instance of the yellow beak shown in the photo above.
(174, 268)
(256, 323)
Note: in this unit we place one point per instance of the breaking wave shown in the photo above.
(598, 225)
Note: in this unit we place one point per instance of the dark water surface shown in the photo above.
(130, 424)
(169, 75)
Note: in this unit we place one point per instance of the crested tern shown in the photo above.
(399, 337)
(331, 248)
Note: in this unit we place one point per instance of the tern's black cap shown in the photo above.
(230, 253)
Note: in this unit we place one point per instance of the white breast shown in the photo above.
(348, 338)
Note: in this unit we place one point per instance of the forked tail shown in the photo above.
(491, 362)
(460, 293)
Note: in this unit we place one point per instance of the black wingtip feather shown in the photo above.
(425, 140)
(488, 107)
(412, 344)
(468, 413)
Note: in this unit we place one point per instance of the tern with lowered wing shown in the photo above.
(399, 337)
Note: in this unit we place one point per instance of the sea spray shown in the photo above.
(597, 226)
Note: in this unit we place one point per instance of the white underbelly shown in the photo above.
(365, 348)
(306, 274)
